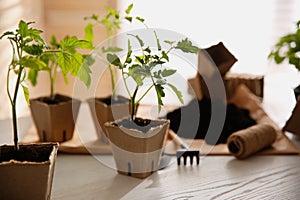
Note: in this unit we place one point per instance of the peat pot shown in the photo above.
(28, 172)
(55, 119)
(106, 109)
(137, 148)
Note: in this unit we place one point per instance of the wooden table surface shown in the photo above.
(217, 177)
(259, 177)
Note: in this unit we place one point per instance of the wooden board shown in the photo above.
(86, 142)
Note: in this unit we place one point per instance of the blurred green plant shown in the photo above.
(30, 55)
(64, 56)
(112, 22)
(288, 48)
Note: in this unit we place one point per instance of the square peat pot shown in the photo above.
(137, 152)
(55, 122)
(28, 172)
(105, 110)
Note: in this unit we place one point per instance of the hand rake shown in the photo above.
(185, 152)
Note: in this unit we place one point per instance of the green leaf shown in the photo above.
(164, 55)
(114, 60)
(77, 60)
(33, 63)
(26, 93)
(111, 49)
(137, 77)
(128, 59)
(128, 18)
(169, 42)
(89, 34)
(293, 60)
(168, 72)
(128, 10)
(69, 63)
(157, 41)
(84, 73)
(72, 42)
(158, 62)
(140, 19)
(6, 34)
(187, 46)
(32, 76)
(148, 50)
(64, 61)
(160, 94)
(92, 17)
(47, 57)
(139, 39)
(177, 92)
(23, 29)
(278, 59)
(35, 34)
(34, 49)
(53, 41)
(129, 47)
(142, 71)
(139, 59)
(161, 81)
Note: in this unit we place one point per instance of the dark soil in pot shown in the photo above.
(141, 124)
(31, 153)
(110, 101)
(56, 100)
(187, 122)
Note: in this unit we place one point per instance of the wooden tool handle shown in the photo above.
(177, 139)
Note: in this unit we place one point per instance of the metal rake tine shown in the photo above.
(185, 151)
(184, 154)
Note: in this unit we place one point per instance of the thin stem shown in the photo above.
(112, 78)
(15, 127)
(14, 112)
(133, 103)
(52, 80)
(8, 73)
(52, 88)
(13, 100)
(144, 94)
(7, 87)
(125, 83)
(169, 50)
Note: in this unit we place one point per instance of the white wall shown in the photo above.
(248, 28)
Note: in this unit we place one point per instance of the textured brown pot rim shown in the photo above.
(72, 100)
(99, 101)
(54, 145)
(151, 132)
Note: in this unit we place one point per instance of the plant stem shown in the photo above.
(133, 104)
(14, 111)
(112, 78)
(52, 75)
(15, 127)
(51, 88)
(144, 94)
(125, 83)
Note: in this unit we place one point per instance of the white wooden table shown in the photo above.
(259, 177)
(217, 177)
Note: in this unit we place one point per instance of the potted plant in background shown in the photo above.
(137, 142)
(26, 171)
(101, 107)
(288, 48)
(55, 115)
